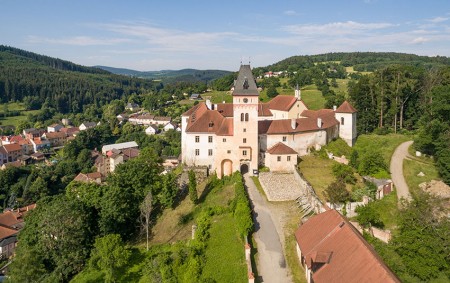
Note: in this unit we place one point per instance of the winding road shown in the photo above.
(396, 168)
(271, 263)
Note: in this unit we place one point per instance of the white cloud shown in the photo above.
(438, 20)
(169, 39)
(290, 13)
(349, 27)
(419, 40)
(77, 40)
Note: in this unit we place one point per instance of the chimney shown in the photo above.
(319, 122)
(293, 123)
(208, 104)
(223, 101)
(215, 106)
(334, 108)
(298, 93)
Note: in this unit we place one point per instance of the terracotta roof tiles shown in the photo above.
(282, 102)
(345, 107)
(280, 148)
(330, 239)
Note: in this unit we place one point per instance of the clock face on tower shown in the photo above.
(245, 100)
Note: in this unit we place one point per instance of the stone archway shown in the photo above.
(244, 168)
(227, 167)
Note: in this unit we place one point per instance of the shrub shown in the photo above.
(344, 172)
(336, 192)
(368, 216)
(371, 163)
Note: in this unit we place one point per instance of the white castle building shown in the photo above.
(247, 133)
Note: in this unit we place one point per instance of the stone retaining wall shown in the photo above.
(309, 194)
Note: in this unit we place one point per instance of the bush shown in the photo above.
(344, 173)
(368, 216)
(336, 192)
(371, 163)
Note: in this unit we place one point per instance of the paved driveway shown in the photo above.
(270, 258)
(396, 168)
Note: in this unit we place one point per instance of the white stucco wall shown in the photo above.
(283, 165)
(347, 132)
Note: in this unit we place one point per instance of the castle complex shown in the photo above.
(247, 133)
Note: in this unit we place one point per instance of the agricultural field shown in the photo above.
(14, 120)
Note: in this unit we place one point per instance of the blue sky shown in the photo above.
(212, 34)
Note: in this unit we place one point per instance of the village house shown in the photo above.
(87, 125)
(132, 106)
(94, 177)
(54, 128)
(11, 222)
(107, 163)
(13, 151)
(152, 130)
(40, 144)
(55, 138)
(70, 132)
(332, 250)
(170, 126)
(33, 133)
(244, 135)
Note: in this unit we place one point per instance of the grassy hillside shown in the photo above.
(219, 257)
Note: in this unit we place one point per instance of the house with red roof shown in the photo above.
(247, 133)
(332, 250)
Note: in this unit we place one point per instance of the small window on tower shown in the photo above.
(342, 120)
(245, 130)
(289, 158)
(244, 140)
(224, 140)
(242, 117)
(278, 158)
(244, 153)
(284, 138)
(246, 117)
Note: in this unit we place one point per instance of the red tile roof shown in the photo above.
(12, 147)
(15, 139)
(301, 125)
(264, 110)
(226, 129)
(5, 232)
(282, 102)
(226, 109)
(330, 239)
(280, 148)
(55, 135)
(346, 107)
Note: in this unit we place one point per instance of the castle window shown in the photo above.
(288, 158)
(224, 140)
(244, 153)
(284, 138)
(278, 158)
(244, 140)
(210, 152)
(197, 138)
(242, 117)
(210, 138)
(228, 151)
(342, 120)
(197, 152)
(246, 117)
(245, 130)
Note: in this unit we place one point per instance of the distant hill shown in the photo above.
(65, 86)
(185, 75)
(361, 61)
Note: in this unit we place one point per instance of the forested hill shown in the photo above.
(67, 87)
(361, 61)
(185, 75)
(51, 62)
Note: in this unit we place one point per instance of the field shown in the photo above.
(312, 97)
(411, 169)
(14, 120)
(385, 143)
(318, 172)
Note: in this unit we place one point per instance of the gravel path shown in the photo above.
(271, 263)
(280, 186)
(400, 153)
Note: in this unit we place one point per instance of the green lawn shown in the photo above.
(313, 97)
(413, 167)
(385, 143)
(318, 172)
(15, 120)
(225, 257)
(342, 87)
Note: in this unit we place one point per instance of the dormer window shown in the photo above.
(245, 84)
(211, 124)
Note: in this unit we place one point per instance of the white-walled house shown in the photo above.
(151, 130)
(244, 134)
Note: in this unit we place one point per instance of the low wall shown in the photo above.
(309, 195)
(248, 260)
